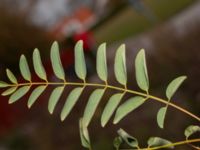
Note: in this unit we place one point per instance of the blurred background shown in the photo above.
(169, 30)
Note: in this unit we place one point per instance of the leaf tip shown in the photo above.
(103, 124)
(62, 118)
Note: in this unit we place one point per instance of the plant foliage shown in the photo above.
(114, 105)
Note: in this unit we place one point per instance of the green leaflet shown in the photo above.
(55, 96)
(120, 65)
(141, 71)
(24, 68)
(128, 106)
(9, 91)
(117, 142)
(92, 104)
(173, 86)
(102, 63)
(110, 108)
(191, 130)
(38, 66)
(18, 94)
(80, 65)
(70, 102)
(157, 141)
(131, 141)
(161, 116)
(35, 94)
(3, 84)
(56, 62)
(84, 135)
(11, 76)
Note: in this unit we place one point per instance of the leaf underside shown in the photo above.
(56, 62)
(191, 130)
(131, 141)
(173, 86)
(120, 65)
(84, 135)
(161, 116)
(127, 107)
(70, 102)
(55, 96)
(24, 68)
(80, 65)
(157, 141)
(102, 63)
(141, 71)
(92, 104)
(35, 94)
(110, 108)
(18, 94)
(38, 66)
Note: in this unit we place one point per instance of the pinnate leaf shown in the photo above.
(54, 97)
(24, 68)
(84, 135)
(127, 107)
(35, 94)
(11, 76)
(141, 71)
(102, 63)
(18, 94)
(110, 108)
(70, 102)
(3, 84)
(80, 65)
(92, 104)
(173, 86)
(56, 62)
(191, 130)
(131, 141)
(157, 141)
(9, 91)
(38, 66)
(161, 116)
(120, 65)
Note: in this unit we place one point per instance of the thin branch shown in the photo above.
(114, 88)
(169, 145)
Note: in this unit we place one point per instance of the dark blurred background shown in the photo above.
(169, 30)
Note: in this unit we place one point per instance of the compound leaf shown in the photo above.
(55, 96)
(35, 94)
(24, 68)
(18, 94)
(141, 71)
(131, 141)
(128, 106)
(92, 104)
(9, 91)
(38, 66)
(70, 102)
(101, 62)
(80, 65)
(84, 135)
(3, 84)
(174, 85)
(191, 130)
(161, 116)
(11, 76)
(110, 108)
(120, 65)
(157, 141)
(56, 62)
